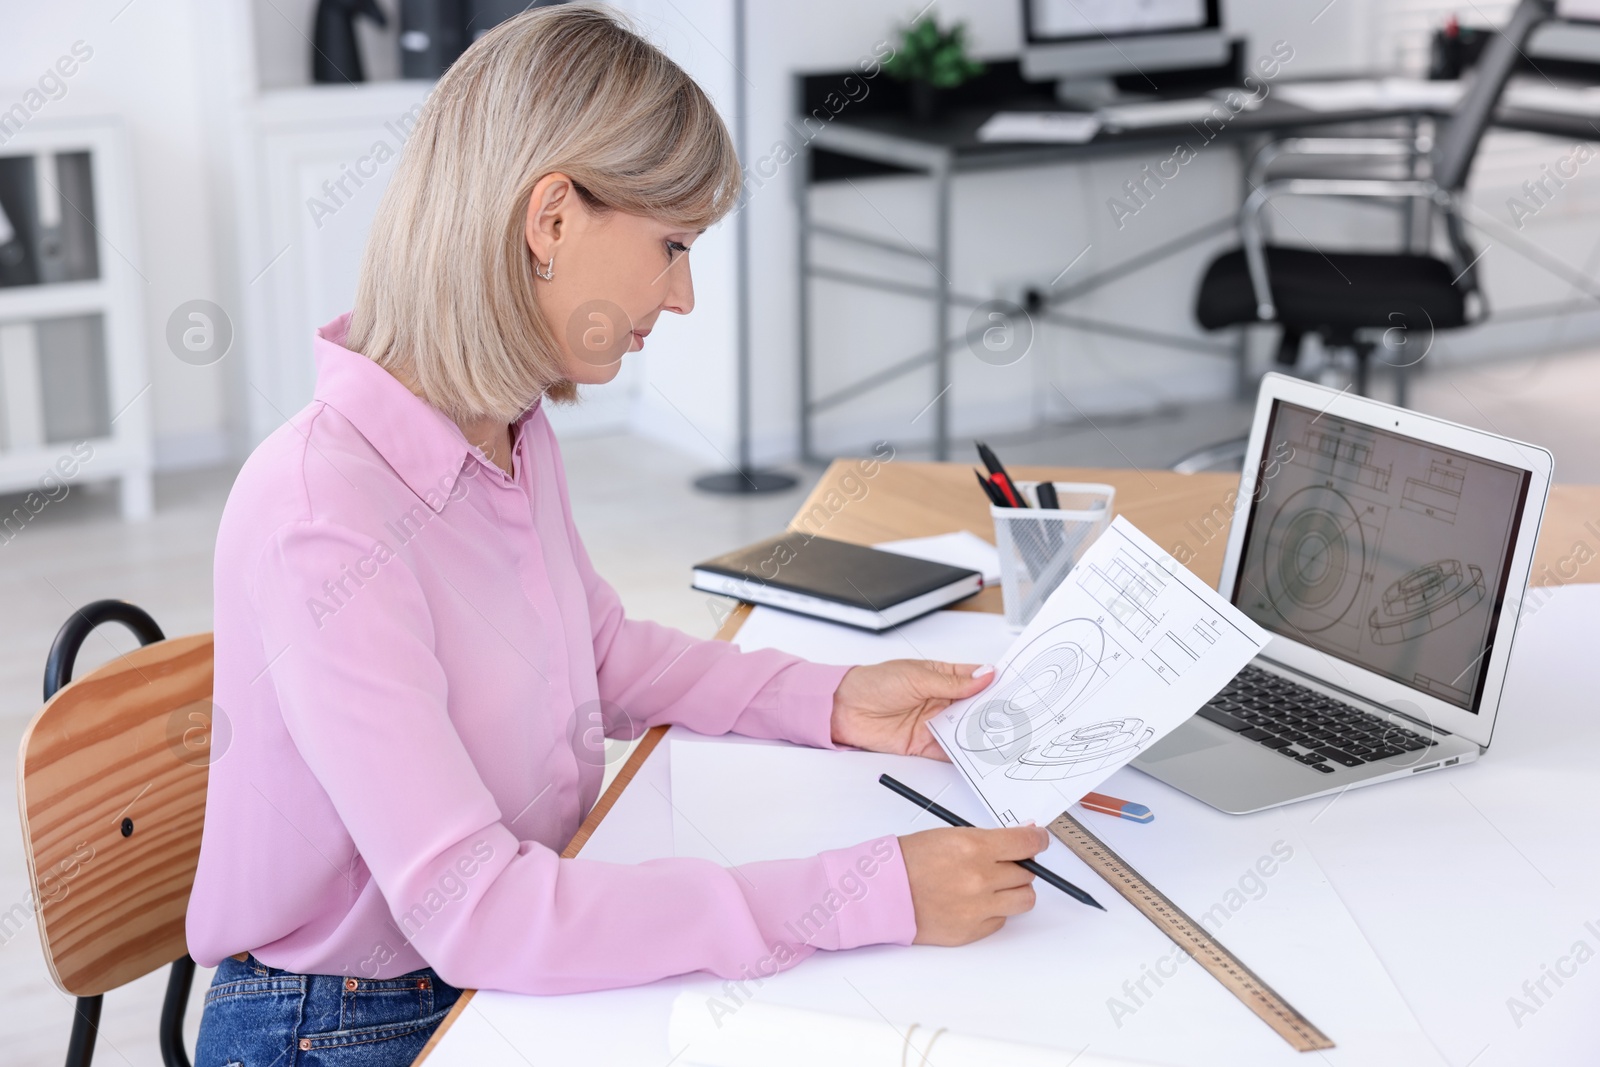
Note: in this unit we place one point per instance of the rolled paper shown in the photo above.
(759, 1034)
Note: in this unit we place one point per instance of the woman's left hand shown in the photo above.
(885, 707)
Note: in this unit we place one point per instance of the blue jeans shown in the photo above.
(260, 1016)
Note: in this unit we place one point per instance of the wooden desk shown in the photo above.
(1187, 514)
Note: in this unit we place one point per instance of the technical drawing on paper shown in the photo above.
(1040, 688)
(1425, 599)
(1067, 707)
(1084, 750)
(1170, 656)
(1438, 493)
(1126, 586)
(1338, 456)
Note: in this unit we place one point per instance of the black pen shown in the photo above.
(1000, 478)
(990, 460)
(955, 820)
(991, 492)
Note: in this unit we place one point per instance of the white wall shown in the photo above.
(145, 70)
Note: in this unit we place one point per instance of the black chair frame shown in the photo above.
(180, 979)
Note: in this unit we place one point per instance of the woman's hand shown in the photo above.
(885, 707)
(965, 883)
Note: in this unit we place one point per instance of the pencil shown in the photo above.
(955, 820)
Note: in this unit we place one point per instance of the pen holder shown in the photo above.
(1038, 546)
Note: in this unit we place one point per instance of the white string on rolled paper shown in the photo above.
(758, 1034)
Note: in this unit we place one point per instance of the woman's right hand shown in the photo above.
(965, 882)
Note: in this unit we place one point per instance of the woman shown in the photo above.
(413, 651)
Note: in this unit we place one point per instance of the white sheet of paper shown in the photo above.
(952, 636)
(772, 1035)
(1362, 93)
(960, 549)
(1063, 975)
(1128, 646)
(1562, 99)
(1051, 127)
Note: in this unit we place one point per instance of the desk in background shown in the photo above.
(950, 146)
(861, 140)
(905, 499)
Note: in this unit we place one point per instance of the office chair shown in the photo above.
(1345, 297)
(112, 778)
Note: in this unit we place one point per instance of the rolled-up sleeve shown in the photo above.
(364, 699)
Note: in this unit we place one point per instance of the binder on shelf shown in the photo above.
(21, 398)
(18, 264)
(48, 233)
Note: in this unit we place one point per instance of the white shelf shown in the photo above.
(124, 453)
(332, 103)
(53, 301)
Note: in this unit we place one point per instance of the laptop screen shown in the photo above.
(1381, 550)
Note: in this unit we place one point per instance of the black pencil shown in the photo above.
(955, 820)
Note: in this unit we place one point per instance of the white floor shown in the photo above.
(644, 527)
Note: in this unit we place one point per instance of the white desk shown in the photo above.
(1468, 883)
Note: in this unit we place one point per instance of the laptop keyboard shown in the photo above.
(1318, 730)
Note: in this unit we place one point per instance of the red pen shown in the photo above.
(1003, 480)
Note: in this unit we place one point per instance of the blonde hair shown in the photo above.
(445, 299)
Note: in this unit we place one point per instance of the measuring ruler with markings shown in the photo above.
(1190, 936)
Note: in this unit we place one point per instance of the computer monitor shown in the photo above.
(1085, 43)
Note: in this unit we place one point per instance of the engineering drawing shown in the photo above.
(1083, 750)
(1314, 558)
(1037, 692)
(1126, 588)
(1425, 599)
(1438, 494)
(1337, 456)
(1170, 656)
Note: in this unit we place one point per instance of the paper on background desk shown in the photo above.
(1372, 93)
(1562, 99)
(1128, 646)
(1049, 127)
(960, 549)
(952, 636)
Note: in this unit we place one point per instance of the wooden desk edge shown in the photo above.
(641, 752)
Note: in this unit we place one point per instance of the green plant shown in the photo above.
(929, 54)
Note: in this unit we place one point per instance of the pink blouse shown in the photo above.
(415, 662)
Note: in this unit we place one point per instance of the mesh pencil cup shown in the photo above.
(1038, 546)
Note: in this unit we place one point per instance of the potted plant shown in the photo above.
(929, 60)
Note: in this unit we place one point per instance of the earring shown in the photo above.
(549, 272)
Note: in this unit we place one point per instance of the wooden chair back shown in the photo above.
(112, 788)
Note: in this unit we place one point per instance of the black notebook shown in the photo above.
(837, 581)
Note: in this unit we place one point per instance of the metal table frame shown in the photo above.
(939, 160)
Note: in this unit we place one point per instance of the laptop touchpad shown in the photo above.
(1181, 742)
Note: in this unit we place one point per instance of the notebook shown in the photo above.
(833, 580)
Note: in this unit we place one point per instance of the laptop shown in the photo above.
(1388, 554)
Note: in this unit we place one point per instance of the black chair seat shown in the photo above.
(1334, 294)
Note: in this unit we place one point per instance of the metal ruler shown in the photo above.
(1190, 936)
